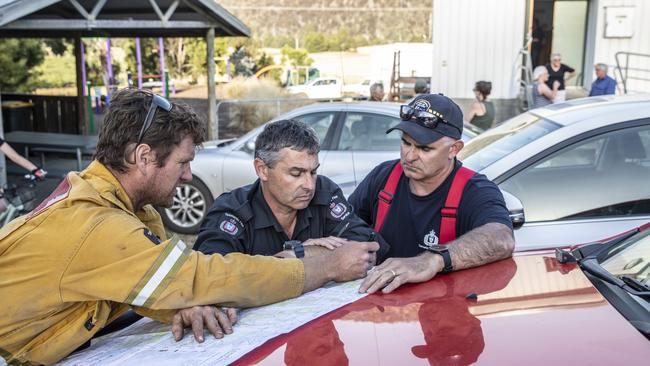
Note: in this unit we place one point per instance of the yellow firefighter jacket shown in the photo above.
(82, 257)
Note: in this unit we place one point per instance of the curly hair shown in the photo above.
(123, 122)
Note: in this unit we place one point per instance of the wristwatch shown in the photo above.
(296, 246)
(444, 253)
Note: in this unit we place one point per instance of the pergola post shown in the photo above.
(3, 163)
(212, 91)
(81, 84)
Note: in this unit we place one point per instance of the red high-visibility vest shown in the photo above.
(448, 222)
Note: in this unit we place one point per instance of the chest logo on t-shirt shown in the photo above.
(430, 240)
(229, 227)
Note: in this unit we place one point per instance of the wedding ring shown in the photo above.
(393, 272)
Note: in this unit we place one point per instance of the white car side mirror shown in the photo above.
(515, 209)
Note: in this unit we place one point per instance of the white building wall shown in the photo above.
(606, 48)
(476, 40)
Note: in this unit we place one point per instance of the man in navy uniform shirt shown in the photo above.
(289, 211)
(427, 179)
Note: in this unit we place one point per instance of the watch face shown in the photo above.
(438, 248)
(289, 245)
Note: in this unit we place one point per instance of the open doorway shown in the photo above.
(559, 26)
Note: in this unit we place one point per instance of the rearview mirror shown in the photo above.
(515, 209)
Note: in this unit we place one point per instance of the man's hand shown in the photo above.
(219, 321)
(331, 242)
(352, 261)
(395, 272)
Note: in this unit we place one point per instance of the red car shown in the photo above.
(528, 310)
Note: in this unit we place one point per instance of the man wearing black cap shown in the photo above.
(437, 215)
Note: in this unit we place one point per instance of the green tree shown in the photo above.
(296, 56)
(18, 61)
(96, 66)
(149, 56)
(315, 41)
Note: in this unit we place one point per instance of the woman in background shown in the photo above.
(542, 94)
(481, 113)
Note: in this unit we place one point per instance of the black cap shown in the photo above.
(440, 106)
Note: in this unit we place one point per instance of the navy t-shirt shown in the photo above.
(413, 222)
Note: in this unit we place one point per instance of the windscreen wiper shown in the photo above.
(633, 282)
(591, 266)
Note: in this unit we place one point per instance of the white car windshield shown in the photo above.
(494, 144)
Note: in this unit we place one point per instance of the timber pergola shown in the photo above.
(121, 18)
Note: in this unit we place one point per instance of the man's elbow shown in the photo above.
(506, 240)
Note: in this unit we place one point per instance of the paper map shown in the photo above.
(151, 342)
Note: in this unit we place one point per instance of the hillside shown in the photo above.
(374, 20)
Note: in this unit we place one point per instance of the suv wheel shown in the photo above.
(189, 207)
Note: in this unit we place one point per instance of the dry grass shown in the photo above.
(257, 101)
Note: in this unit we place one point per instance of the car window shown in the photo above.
(320, 122)
(494, 144)
(367, 132)
(603, 176)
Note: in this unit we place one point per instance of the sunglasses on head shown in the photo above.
(156, 102)
(424, 118)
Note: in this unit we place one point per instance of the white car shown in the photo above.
(361, 89)
(320, 88)
(353, 141)
(580, 169)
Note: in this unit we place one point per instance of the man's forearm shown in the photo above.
(485, 244)
(317, 272)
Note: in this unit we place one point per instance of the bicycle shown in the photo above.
(17, 200)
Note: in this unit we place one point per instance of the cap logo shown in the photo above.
(422, 105)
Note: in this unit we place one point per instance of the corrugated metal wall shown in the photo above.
(606, 48)
(476, 40)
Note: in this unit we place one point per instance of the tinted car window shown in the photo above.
(500, 141)
(603, 176)
(367, 132)
(320, 122)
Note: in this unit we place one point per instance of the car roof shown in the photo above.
(607, 109)
(364, 106)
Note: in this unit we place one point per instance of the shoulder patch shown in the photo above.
(229, 226)
(151, 236)
(61, 192)
(339, 209)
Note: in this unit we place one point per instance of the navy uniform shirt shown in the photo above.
(242, 221)
(413, 222)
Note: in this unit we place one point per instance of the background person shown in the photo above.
(542, 94)
(603, 85)
(21, 161)
(557, 71)
(377, 92)
(481, 112)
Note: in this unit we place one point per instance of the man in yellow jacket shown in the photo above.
(96, 246)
